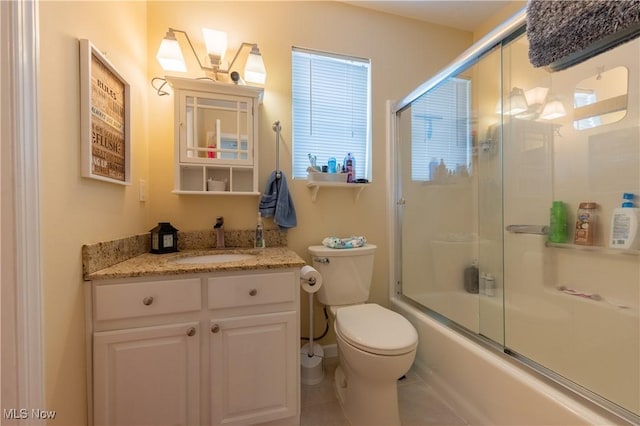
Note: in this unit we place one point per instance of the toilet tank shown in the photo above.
(346, 274)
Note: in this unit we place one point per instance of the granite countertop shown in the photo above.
(129, 256)
(148, 264)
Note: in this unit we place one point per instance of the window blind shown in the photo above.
(331, 110)
(440, 129)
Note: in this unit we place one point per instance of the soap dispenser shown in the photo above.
(259, 241)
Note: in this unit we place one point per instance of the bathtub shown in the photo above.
(486, 387)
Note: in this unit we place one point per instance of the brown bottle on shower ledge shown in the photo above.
(585, 224)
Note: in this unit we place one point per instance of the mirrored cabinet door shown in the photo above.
(216, 130)
(215, 137)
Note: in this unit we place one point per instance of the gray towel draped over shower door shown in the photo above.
(563, 33)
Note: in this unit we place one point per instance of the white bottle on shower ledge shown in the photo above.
(624, 224)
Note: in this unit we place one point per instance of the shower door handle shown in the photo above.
(528, 229)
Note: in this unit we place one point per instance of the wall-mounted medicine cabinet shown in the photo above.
(216, 137)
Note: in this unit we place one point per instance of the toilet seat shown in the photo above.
(375, 329)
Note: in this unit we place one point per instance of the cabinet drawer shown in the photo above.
(244, 290)
(116, 301)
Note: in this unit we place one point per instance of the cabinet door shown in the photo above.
(254, 365)
(147, 376)
(216, 128)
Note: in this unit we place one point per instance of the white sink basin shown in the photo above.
(214, 258)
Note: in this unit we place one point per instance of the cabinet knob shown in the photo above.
(191, 331)
(253, 292)
(147, 300)
(215, 328)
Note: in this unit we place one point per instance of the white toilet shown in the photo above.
(376, 346)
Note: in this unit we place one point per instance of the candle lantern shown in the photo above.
(164, 238)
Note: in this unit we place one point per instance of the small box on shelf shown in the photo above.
(317, 176)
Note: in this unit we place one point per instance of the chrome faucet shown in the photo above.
(219, 228)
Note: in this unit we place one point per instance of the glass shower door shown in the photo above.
(449, 169)
(482, 155)
(569, 308)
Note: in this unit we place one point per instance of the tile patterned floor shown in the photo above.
(419, 405)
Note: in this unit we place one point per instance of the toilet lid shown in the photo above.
(375, 329)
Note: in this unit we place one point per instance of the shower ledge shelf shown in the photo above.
(594, 249)
(315, 187)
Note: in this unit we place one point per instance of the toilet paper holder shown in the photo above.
(310, 280)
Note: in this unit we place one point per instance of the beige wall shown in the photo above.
(76, 211)
(403, 54)
(510, 8)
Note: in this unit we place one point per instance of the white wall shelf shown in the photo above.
(315, 187)
(180, 192)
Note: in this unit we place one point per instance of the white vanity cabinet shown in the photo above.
(195, 349)
(147, 375)
(254, 355)
(216, 137)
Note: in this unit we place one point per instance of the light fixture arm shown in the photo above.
(172, 30)
(253, 46)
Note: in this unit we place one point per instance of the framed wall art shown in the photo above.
(104, 118)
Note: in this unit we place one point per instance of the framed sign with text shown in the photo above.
(104, 118)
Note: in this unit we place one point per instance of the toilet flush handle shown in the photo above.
(323, 260)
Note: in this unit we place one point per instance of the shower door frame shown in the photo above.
(510, 29)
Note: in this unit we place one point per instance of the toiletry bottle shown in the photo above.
(490, 285)
(472, 278)
(441, 172)
(624, 224)
(558, 223)
(331, 165)
(482, 283)
(259, 242)
(433, 166)
(211, 153)
(350, 167)
(585, 224)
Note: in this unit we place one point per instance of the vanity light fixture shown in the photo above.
(536, 96)
(535, 99)
(216, 44)
(533, 104)
(170, 55)
(517, 102)
(254, 70)
(552, 110)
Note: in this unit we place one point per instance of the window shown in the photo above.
(583, 97)
(331, 110)
(440, 129)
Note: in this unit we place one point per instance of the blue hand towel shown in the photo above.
(276, 202)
